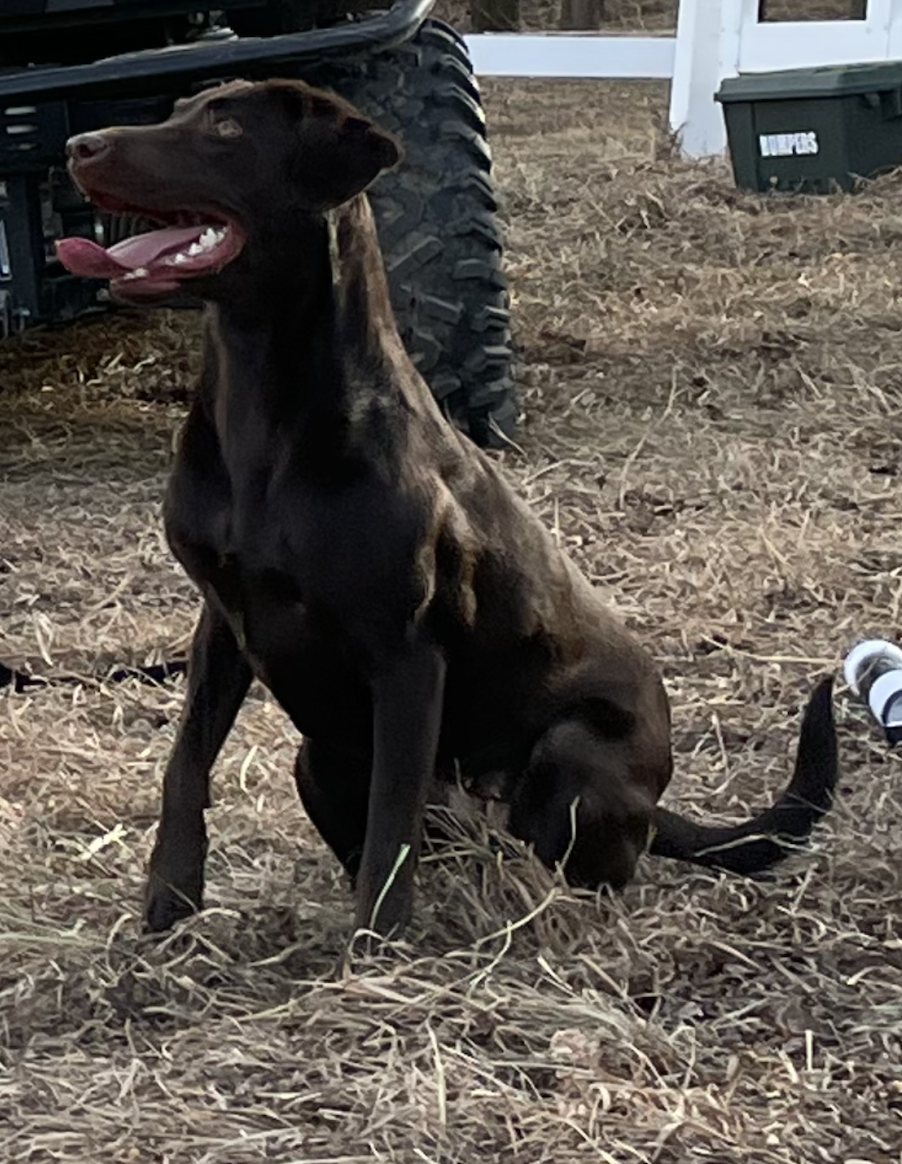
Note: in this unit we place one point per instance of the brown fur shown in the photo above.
(370, 565)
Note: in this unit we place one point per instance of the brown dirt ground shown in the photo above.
(712, 385)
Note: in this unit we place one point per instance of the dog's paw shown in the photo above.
(175, 890)
(165, 906)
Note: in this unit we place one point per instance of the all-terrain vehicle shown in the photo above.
(67, 66)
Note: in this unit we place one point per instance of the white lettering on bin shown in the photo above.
(787, 145)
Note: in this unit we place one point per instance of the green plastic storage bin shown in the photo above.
(813, 129)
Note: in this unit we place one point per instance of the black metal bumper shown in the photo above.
(172, 68)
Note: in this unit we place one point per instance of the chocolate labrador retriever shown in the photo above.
(357, 554)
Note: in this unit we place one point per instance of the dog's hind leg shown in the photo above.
(218, 680)
(334, 787)
(581, 802)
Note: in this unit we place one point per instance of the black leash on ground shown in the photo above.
(156, 673)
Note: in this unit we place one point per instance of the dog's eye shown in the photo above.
(226, 127)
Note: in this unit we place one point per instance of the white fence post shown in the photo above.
(694, 114)
(895, 31)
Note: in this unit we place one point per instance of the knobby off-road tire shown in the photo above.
(436, 219)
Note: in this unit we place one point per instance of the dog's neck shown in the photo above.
(314, 353)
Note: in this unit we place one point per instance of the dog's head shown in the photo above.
(232, 169)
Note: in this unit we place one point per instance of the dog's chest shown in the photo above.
(295, 565)
(275, 627)
(302, 654)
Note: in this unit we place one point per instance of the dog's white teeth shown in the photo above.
(211, 237)
(207, 241)
(137, 273)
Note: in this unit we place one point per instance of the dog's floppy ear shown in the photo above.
(340, 152)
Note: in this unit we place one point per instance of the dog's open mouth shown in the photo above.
(158, 261)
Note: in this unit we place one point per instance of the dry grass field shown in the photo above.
(712, 387)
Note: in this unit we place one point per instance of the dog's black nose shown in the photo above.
(85, 146)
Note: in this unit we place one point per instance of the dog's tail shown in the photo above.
(767, 838)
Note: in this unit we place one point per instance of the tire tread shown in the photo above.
(436, 219)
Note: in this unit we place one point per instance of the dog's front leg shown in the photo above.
(218, 680)
(407, 714)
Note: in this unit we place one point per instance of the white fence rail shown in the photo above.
(714, 39)
(553, 54)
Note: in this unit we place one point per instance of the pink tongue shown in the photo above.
(82, 257)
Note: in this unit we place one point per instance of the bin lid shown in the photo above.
(823, 81)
